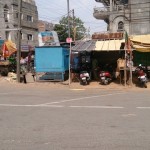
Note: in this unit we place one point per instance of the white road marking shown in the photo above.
(63, 101)
(105, 107)
(18, 93)
(7, 93)
(16, 105)
(77, 89)
(128, 115)
(143, 107)
(60, 106)
(77, 99)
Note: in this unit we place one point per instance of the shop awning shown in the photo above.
(141, 43)
(141, 48)
(8, 48)
(109, 45)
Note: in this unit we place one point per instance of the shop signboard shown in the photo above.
(24, 48)
(106, 36)
(27, 48)
(48, 38)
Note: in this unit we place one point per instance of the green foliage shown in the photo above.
(77, 29)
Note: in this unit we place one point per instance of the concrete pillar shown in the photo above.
(111, 5)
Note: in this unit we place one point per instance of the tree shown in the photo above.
(77, 29)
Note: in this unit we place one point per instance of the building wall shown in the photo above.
(135, 16)
(3, 24)
(119, 13)
(45, 26)
(140, 17)
(28, 26)
(114, 21)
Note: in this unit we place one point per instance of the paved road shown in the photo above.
(46, 118)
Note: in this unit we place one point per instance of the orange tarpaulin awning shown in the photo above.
(8, 48)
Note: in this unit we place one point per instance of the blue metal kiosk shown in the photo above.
(52, 62)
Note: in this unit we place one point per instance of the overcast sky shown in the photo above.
(53, 10)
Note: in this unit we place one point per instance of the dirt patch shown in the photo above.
(74, 85)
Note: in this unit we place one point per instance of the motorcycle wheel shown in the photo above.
(81, 83)
(88, 82)
(106, 82)
(145, 85)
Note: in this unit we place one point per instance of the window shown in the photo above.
(125, 1)
(21, 36)
(7, 34)
(120, 26)
(6, 14)
(29, 18)
(30, 37)
(22, 16)
(17, 15)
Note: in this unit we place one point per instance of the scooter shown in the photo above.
(105, 77)
(142, 76)
(84, 78)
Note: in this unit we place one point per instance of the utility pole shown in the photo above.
(74, 26)
(19, 39)
(89, 32)
(70, 42)
(68, 18)
(73, 18)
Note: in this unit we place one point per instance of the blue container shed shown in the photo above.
(53, 61)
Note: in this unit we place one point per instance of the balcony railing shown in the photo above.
(104, 12)
(101, 13)
(29, 24)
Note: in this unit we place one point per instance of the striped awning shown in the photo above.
(109, 45)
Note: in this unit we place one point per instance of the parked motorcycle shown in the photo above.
(142, 76)
(107, 74)
(85, 68)
(105, 77)
(84, 78)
